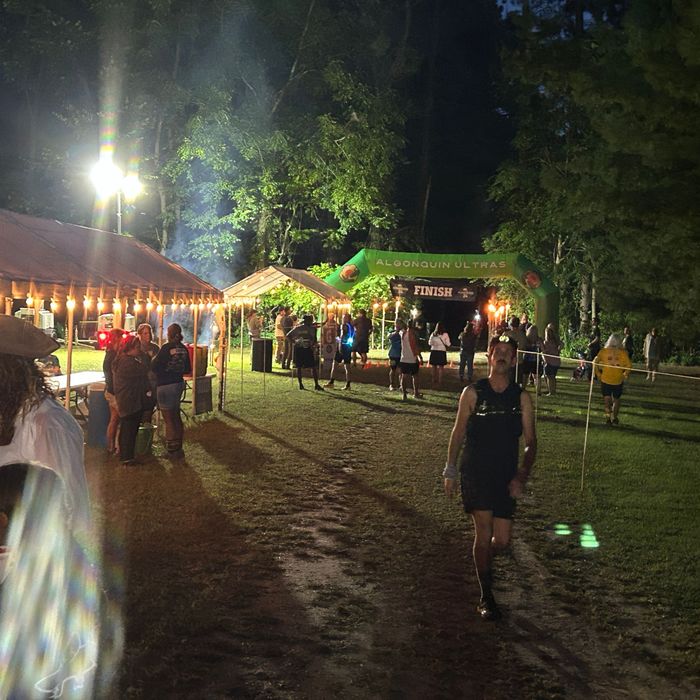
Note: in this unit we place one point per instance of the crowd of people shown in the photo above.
(140, 376)
(42, 477)
(538, 356)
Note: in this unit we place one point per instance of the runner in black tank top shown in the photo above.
(491, 447)
(492, 416)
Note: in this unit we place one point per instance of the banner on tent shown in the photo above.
(433, 289)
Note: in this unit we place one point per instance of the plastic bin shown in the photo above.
(261, 355)
(98, 416)
(144, 440)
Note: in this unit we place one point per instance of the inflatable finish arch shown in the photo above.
(454, 266)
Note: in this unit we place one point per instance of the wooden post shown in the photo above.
(195, 333)
(223, 357)
(161, 314)
(242, 323)
(70, 307)
(8, 306)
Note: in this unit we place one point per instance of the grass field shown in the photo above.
(315, 527)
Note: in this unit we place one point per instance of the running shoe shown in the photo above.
(488, 609)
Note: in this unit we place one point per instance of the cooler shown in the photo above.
(98, 416)
(202, 357)
(261, 355)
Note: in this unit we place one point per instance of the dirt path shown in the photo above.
(330, 585)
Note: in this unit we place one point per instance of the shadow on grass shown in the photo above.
(208, 611)
(598, 422)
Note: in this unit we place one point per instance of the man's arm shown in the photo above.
(517, 484)
(466, 407)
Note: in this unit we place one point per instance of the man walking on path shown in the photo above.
(612, 367)
(492, 415)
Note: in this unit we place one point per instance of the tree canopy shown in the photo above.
(601, 189)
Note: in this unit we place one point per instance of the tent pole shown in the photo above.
(70, 306)
(222, 368)
(242, 322)
(262, 338)
(320, 337)
(160, 324)
(195, 333)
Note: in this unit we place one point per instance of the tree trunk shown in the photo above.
(584, 319)
(164, 234)
(263, 247)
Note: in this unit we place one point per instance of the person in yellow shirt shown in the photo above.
(612, 366)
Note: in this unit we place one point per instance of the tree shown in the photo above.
(607, 153)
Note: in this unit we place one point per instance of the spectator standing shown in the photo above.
(551, 350)
(652, 354)
(410, 361)
(114, 342)
(288, 322)
(612, 367)
(492, 416)
(280, 336)
(532, 347)
(149, 349)
(517, 333)
(304, 339)
(145, 336)
(254, 324)
(363, 330)
(467, 349)
(439, 343)
(628, 343)
(343, 355)
(170, 366)
(34, 427)
(395, 354)
(131, 389)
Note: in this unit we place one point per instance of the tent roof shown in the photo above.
(52, 259)
(271, 277)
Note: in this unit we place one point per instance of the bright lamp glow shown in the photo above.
(106, 177)
(131, 187)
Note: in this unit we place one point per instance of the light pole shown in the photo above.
(108, 179)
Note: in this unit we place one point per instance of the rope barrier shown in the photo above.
(599, 364)
(594, 365)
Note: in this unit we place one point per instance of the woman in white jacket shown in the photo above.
(439, 343)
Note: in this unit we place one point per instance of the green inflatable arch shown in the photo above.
(450, 266)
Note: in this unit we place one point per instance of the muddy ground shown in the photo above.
(303, 549)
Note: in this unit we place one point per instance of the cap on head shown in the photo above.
(614, 341)
(21, 338)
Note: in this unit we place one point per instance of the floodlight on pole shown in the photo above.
(108, 180)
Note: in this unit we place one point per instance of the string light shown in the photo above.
(87, 302)
(149, 305)
(100, 305)
(116, 305)
(70, 304)
(137, 307)
(53, 305)
(30, 300)
(159, 308)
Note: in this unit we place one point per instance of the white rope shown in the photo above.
(598, 364)
(585, 436)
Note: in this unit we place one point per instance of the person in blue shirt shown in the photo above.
(345, 349)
